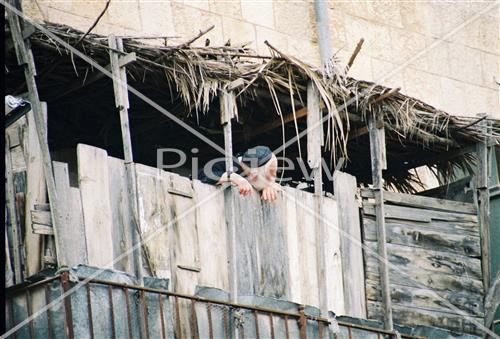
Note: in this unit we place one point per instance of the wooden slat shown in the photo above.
(421, 235)
(41, 217)
(424, 202)
(492, 300)
(94, 187)
(121, 214)
(42, 229)
(350, 233)
(72, 230)
(407, 315)
(428, 299)
(423, 259)
(417, 214)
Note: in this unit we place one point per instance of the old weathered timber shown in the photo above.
(350, 244)
(421, 201)
(483, 200)
(379, 163)
(25, 58)
(314, 143)
(71, 217)
(119, 73)
(492, 301)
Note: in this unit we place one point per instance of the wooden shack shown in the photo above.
(359, 239)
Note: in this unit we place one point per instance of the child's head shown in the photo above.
(260, 167)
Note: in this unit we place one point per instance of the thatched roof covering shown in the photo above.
(274, 87)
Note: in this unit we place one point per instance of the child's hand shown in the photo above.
(244, 186)
(270, 193)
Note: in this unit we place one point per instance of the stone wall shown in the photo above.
(445, 54)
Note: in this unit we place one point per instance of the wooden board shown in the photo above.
(93, 180)
(154, 217)
(412, 315)
(421, 235)
(36, 191)
(121, 214)
(417, 214)
(414, 258)
(424, 202)
(336, 297)
(350, 244)
(212, 235)
(292, 245)
(428, 299)
(426, 279)
(72, 227)
(41, 217)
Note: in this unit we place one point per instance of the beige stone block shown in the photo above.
(481, 100)
(88, 9)
(276, 39)
(384, 12)
(490, 70)
(239, 31)
(295, 18)
(362, 68)
(226, 8)
(453, 96)
(377, 37)
(353, 7)
(465, 64)
(438, 55)
(125, 13)
(76, 21)
(413, 16)
(156, 18)
(408, 48)
(337, 29)
(201, 4)
(387, 73)
(305, 50)
(32, 11)
(258, 12)
(423, 85)
(188, 21)
(64, 5)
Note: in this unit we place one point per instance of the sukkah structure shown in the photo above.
(187, 80)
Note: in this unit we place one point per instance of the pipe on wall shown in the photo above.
(323, 30)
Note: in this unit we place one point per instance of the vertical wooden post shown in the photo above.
(25, 58)
(11, 208)
(227, 104)
(314, 143)
(379, 163)
(483, 199)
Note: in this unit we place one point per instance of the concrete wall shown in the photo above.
(439, 53)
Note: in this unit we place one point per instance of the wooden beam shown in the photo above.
(355, 53)
(483, 201)
(25, 58)
(277, 122)
(492, 301)
(314, 136)
(119, 72)
(13, 218)
(379, 163)
(385, 96)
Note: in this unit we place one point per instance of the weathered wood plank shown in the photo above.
(418, 214)
(492, 300)
(334, 261)
(402, 233)
(121, 214)
(350, 244)
(36, 189)
(41, 217)
(292, 244)
(418, 258)
(42, 229)
(185, 235)
(72, 229)
(378, 164)
(407, 315)
(93, 180)
(428, 299)
(314, 135)
(426, 279)
(424, 202)
(155, 215)
(212, 235)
